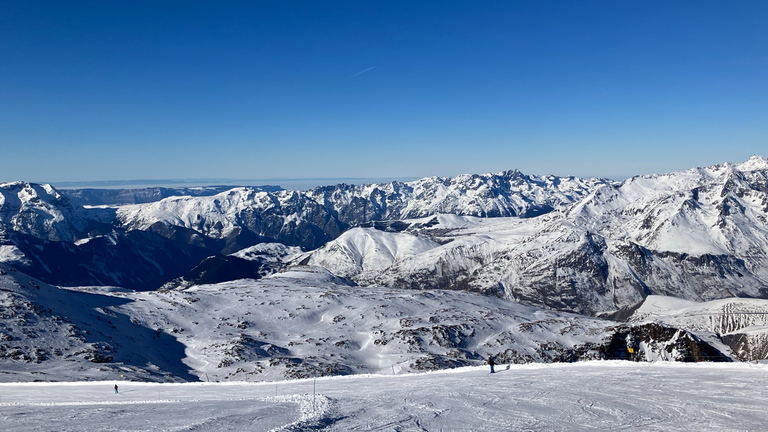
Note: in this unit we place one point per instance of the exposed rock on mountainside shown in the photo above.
(180, 231)
(700, 234)
(652, 341)
(292, 325)
(254, 262)
(741, 324)
(48, 333)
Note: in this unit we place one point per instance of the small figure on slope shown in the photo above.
(115, 388)
(491, 363)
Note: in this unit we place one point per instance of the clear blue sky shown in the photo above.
(113, 90)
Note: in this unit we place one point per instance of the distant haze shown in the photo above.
(290, 184)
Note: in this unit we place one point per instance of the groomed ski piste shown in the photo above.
(586, 396)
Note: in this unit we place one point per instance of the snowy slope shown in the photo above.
(716, 210)
(363, 250)
(48, 333)
(309, 321)
(566, 397)
(290, 325)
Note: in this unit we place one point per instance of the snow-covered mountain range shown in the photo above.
(266, 285)
(582, 245)
(312, 218)
(143, 246)
(700, 234)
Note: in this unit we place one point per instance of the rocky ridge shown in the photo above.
(143, 246)
(700, 234)
(593, 246)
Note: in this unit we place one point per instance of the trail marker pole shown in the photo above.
(314, 387)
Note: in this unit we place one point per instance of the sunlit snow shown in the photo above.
(564, 397)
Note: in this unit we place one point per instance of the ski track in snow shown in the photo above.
(606, 395)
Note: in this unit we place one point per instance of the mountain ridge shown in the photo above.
(699, 234)
(591, 245)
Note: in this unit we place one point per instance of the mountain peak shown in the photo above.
(754, 163)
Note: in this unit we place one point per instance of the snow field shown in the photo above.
(588, 396)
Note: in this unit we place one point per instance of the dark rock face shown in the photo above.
(136, 259)
(220, 268)
(311, 366)
(651, 341)
(747, 347)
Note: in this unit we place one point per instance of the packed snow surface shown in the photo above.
(605, 395)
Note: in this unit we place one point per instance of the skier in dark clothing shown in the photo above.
(491, 363)
(115, 388)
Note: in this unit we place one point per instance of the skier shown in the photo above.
(116, 386)
(491, 363)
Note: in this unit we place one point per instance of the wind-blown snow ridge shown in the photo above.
(369, 250)
(754, 163)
